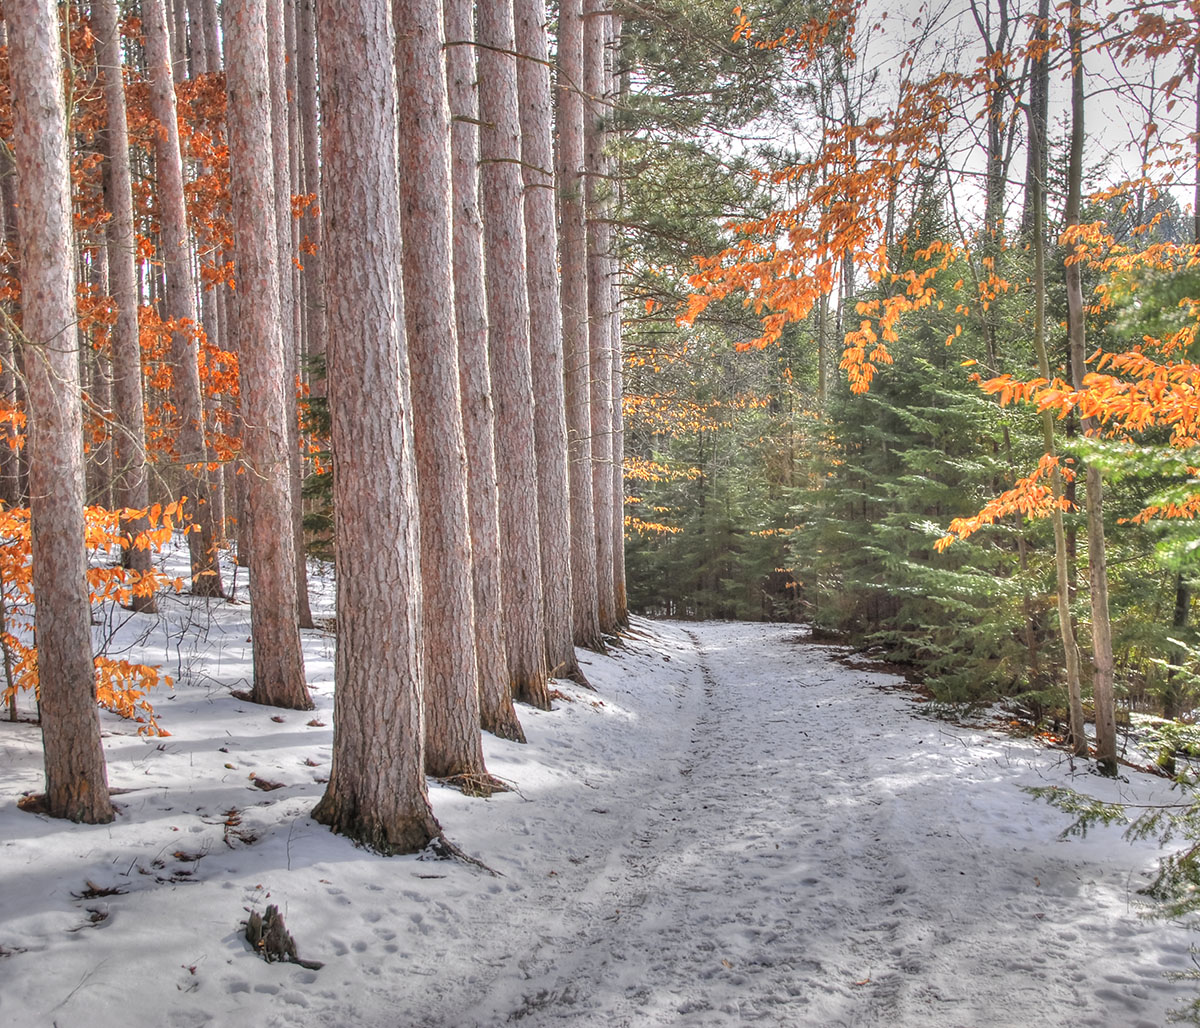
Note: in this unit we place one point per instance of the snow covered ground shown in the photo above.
(733, 829)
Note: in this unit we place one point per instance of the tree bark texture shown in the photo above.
(76, 779)
(278, 663)
(452, 745)
(574, 296)
(283, 144)
(1102, 654)
(599, 243)
(508, 353)
(376, 792)
(496, 711)
(310, 224)
(97, 384)
(176, 255)
(130, 486)
(545, 332)
(620, 603)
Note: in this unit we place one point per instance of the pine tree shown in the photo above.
(76, 780)
(376, 792)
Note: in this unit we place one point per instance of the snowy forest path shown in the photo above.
(800, 848)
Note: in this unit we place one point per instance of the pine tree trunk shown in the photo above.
(508, 354)
(497, 714)
(10, 462)
(278, 662)
(212, 40)
(76, 779)
(573, 260)
(175, 253)
(311, 229)
(129, 426)
(452, 745)
(599, 243)
(197, 38)
(283, 143)
(545, 333)
(99, 393)
(620, 604)
(376, 792)
(1102, 654)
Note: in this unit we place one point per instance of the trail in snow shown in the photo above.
(812, 855)
(734, 829)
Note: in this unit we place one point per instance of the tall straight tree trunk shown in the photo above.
(176, 255)
(1038, 111)
(1037, 176)
(129, 425)
(310, 225)
(177, 20)
(508, 354)
(1102, 654)
(617, 84)
(496, 712)
(76, 779)
(545, 332)
(10, 462)
(283, 143)
(99, 390)
(376, 792)
(573, 261)
(198, 38)
(278, 662)
(599, 244)
(452, 745)
(212, 42)
(1183, 594)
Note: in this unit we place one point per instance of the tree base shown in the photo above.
(509, 729)
(70, 808)
(389, 839)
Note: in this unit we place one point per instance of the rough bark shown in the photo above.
(180, 288)
(177, 20)
(496, 711)
(283, 142)
(1102, 654)
(599, 244)
(620, 604)
(573, 260)
(98, 386)
(76, 780)
(212, 41)
(452, 744)
(197, 39)
(376, 792)
(545, 333)
(310, 224)
(278, 663)
(508, 352)
(129, 426)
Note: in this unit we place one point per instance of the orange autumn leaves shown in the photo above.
(121, 686)
(839, 219)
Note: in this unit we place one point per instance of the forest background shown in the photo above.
(902, 162)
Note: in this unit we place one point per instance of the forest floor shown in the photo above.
(734, 828)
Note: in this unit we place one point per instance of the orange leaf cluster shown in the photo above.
(1030, 497)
